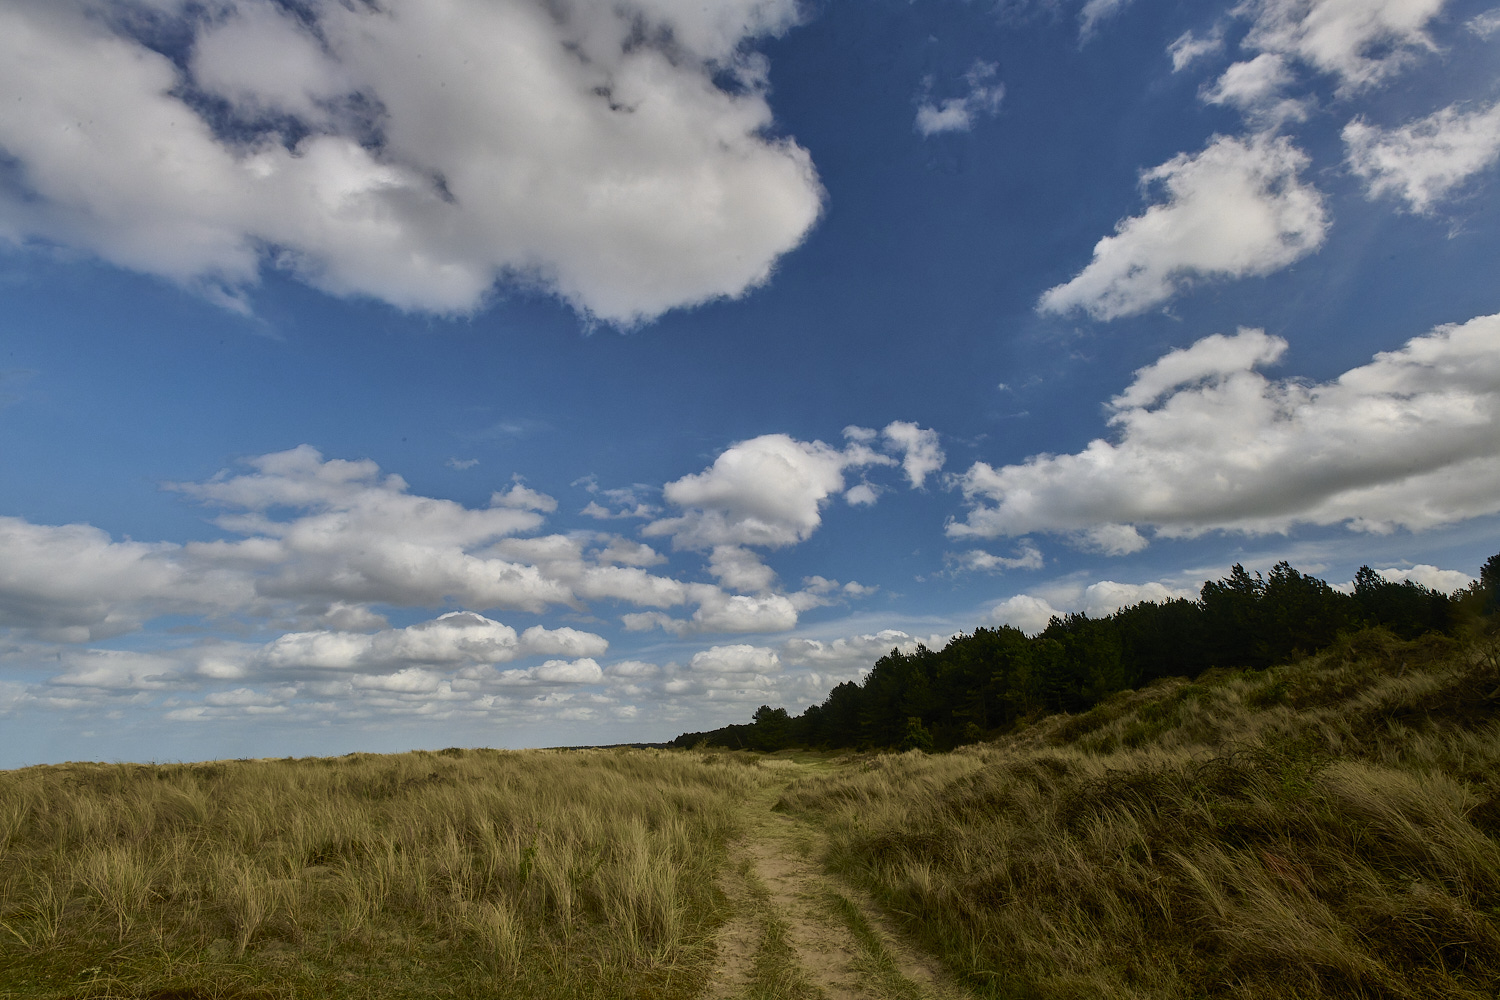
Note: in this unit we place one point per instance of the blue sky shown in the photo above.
(491, 372)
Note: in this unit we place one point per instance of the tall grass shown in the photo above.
(464, 873)
(1326, 829)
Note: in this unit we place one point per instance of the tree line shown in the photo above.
(986, 681)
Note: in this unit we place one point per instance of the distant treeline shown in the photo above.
(983, 683)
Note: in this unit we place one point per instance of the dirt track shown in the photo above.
(797, 932)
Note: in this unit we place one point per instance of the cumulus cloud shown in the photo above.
(1257, 88)
(585, 148)
(958, 114)
(454, 640)
(73, 583)
(362, 538)
(1361, 42)
(582, 671)
(1426, 160)
(721, 612)
(314, 543)
(114, 669)
(767, 491)
(1204, 362)
(521, 498)
(920, 452)
(1025, 612)
(1236, 209)
(1445, 581)
(737, 659)
(1031, 612)
(1106, 597)
(1112, 539)
(1205, 442)
(849, 654)
(737, 568)
(1027, 557)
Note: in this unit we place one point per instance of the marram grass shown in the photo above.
(458, 874)
(1322, 830)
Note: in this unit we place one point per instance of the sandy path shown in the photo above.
(792, 925)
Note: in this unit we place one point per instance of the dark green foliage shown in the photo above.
(986, 682)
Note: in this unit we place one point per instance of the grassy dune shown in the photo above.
(460, 873)
(1326, 829)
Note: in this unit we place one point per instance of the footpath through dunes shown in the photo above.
(796, 932)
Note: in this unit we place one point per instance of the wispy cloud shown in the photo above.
(959, 114)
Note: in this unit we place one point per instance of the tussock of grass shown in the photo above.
(1326, 829)
(466, 873)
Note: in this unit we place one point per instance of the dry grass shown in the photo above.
(1327, 829)
(465, 873)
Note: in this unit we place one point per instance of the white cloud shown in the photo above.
(847, 655)
(627, 552)
(1027, 613)
(462, 464)
(1031, 612)
(1188, 48)
(600, 512)
(720, 612)
(1256, 88)
(454, 640)
(72, 583)
(584, 671)
(1096, 11)
(247, 696)
(737, 568)
(920, 453)
(1486, 24)
(564, 560)
(1027, 557)
(1113, 539)
(12, 696)
(262, 60)
(1425, 160)
(1205, 362)
(766, 491)
(1204, 442)
(1359, 41)
(114, 669)
(1234, 210)
(1444, 581)
(737, 659)
(361, 538)
(569, 147)
(957, 114)
(319, 542)
(521, 498)
(634, 669)
(1106, 597)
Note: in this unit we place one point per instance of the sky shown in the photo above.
(425, 373)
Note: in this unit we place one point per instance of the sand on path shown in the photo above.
(792, 929)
